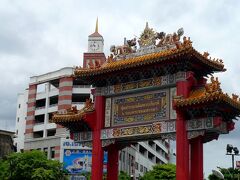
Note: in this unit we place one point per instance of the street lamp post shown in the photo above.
(232, 151)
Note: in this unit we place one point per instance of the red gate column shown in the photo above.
(182, 148)
(197, 159)
(182, 143)
(112, 166)
(97, 150)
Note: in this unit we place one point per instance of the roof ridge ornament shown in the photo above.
(72, 112)
(214, 86)
(149, 42)
(235, 97)
(148, 37)
(216, 60)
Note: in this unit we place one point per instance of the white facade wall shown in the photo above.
(21, 120)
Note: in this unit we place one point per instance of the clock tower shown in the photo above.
(95, 55)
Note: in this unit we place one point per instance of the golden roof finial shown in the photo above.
(96, 28)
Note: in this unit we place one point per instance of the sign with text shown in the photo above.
(138, 108)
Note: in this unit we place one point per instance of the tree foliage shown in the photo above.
(123, 176)
(30, 165)
(229, 174)
(164, 171)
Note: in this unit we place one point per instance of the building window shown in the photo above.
(19, 106)
(16, 132)
(52, 152)
(142, 150)
(38, 134)
(39, 119)
(141, 168)
(18, 119)
(158, 161)
(40, 103)
(150, 156)
(53, 101)
(51, 132)
(136, 165)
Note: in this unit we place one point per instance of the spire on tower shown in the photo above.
(96, 28)
(96, 33)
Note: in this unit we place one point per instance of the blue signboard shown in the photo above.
(79, 160)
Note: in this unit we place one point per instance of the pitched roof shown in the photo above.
(153, 58)
(211, 93)
(95, 34)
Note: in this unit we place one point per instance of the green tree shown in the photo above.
(229, 174)
(123, 176)
(164, 171)
(30, 165)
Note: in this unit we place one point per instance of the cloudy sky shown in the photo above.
(41, 36)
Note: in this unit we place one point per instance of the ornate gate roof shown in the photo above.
(157, 54)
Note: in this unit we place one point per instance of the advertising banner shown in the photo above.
(77, 159)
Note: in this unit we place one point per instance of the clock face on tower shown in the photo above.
(94, 46)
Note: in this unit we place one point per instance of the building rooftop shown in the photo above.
(7, 132)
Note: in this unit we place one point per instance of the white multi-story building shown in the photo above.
(57, 90)
(21, 120)
(142, 156)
